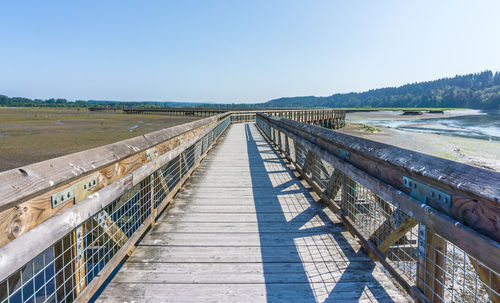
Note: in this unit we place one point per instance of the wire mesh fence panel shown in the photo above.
(63, 270)
(440, 269)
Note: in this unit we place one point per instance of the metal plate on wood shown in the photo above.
(425, 193)
(75, 193)
(151, 154)
(79, 243)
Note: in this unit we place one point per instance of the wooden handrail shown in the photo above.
(406, 188)
(475, 192)
(95, 181)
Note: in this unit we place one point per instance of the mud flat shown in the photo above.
(477, 152)
(398, 115)
(29, 135)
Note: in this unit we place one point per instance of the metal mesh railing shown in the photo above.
(242, 117)
(62, 272)
(440, 269)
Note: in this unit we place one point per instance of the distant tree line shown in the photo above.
(480, 90)
(26, 102)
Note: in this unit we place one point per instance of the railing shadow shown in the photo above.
(305, 256)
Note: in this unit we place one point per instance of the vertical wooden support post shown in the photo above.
(153, 179)
(180, 167)
(308, 164)
(430, 274)
(488, 277)
(287, 145)
(349, 203)
(78, 260)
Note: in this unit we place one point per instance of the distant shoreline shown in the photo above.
(477, 152)
(387, 114)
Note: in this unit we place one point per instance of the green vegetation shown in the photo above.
(369, 129)
(480, 91)
(29, 135)
(26, 102)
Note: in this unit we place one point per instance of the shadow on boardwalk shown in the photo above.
(305, 255)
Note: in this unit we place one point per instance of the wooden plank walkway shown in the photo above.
(244, 229)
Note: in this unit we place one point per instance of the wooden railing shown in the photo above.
(434, 224)
(67, 223)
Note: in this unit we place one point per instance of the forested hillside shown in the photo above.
(481, 90)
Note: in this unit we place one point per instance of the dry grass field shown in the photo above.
(29, 135)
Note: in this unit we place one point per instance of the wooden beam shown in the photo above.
(474, 191)
(129, 246)
(110, 228)
(470, 240)
(334, 185)
(430, 274)
(489, 278)
(109, 163)
(367, 245)
(394, 228)
(79, 260)
(55, 228)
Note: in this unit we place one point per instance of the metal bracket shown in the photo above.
(425, 193)
(179, 139)
(151, 154)
(79, 243)
(422, 240)
(74, 193)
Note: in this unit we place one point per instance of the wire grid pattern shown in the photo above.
(243, 117)
(61, 272)
(442, 270)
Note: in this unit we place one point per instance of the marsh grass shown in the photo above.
(30, 135)
(369, 129)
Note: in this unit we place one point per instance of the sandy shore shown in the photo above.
(481, 153)
(398, 115)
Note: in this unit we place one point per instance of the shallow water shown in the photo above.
(485, 126)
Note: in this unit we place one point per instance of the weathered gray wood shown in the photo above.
(289, 292)
(229, 217)
(53, 229)
(255, 238)
(475, 192)
(470, 240)
(217, 273)
(18, 185)
(240, 242)
(261, 227)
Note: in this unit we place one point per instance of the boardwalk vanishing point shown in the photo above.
(250, 207)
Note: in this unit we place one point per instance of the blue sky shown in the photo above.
(238, 51)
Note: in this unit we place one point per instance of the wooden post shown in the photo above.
(152, 180)
(430, 275)
(488, 277)
(78, 260)
(334, 185)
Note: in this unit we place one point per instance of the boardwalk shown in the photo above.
(244, 229)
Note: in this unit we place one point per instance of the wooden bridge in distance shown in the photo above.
(250, 206)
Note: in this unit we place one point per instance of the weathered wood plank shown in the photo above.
(297, 292)
(26, 192)
(216, 273)
(156, 238)
(262, 227)
(472, 241)
(474, 191)
(220, 239)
